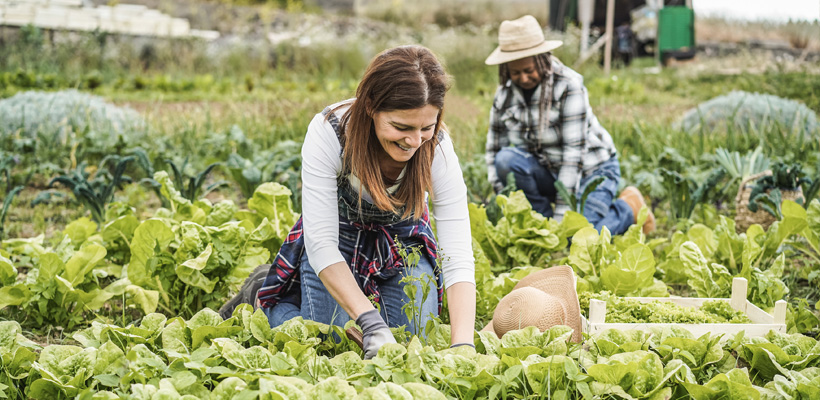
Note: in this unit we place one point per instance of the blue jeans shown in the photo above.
(318, 305)
(538, 184)
(600, 209)
(535, 180)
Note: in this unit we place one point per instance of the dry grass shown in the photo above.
(450, 13)
(745, 61)
(798, 35)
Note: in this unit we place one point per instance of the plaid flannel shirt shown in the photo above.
(575, 143)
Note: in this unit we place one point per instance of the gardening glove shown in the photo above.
(375, 333)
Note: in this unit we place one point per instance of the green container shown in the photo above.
(676, 30)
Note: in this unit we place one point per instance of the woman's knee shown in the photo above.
(281, 313)
(317, 302)
(510, 159)
(599, 201)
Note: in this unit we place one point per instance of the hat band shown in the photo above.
(525, 48)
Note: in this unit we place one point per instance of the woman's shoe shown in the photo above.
(633, 197)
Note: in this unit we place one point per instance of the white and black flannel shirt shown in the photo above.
(575, 143)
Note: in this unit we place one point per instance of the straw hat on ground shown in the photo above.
(542, 299)
(520, 38)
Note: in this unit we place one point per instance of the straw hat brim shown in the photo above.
(558, 282)
(500, 57)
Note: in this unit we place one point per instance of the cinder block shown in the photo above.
(19, 15)
(82, 20)
(144, 26)
(114, 25)
(129, 10)
(153, 14)
(204, 34)
(20, 10)
(53, 18)
(104, 11)
(66, 3)
(179, 27)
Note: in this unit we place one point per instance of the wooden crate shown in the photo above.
(762, 322)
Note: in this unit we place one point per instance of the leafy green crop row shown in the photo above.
(704, 258)
(205, 357)
(184, 258)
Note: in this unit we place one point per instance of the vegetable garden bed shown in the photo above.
(762, 322)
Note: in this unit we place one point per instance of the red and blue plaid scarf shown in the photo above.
(375, 257)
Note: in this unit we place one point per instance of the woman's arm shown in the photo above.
(573, 120)
(320, 165)
(339, 282)
(461, 300)
(449, 207)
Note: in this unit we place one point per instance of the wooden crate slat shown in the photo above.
(757, 315)
(780, 308)
(696, 329)
(683, 301)
(762, 322)
(597, 311)
(739, 289)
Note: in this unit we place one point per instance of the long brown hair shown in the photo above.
(401, 78)
(543, 64)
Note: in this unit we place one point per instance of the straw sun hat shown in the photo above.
(520, 38)
(542, 299)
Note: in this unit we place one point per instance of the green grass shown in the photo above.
(270, 93)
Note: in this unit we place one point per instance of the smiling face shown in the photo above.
(401, 133)
(524, 73)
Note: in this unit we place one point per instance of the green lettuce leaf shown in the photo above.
(633, 271)
(733, 385)
(190, 271)
(150, 238)
(80, 229)
(708, 280)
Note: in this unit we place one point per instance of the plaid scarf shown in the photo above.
(375, 255)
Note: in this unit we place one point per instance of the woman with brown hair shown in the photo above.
(368, 164)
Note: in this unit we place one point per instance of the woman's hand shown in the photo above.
(375, 333)
(339, 282)
(461, 299)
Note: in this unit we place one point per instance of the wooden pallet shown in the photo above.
(762, 322)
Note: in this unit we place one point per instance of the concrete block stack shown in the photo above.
(73, 15)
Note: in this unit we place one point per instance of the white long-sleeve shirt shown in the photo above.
(322, 163)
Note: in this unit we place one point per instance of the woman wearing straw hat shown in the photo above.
(542, 130)
(367, 166)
